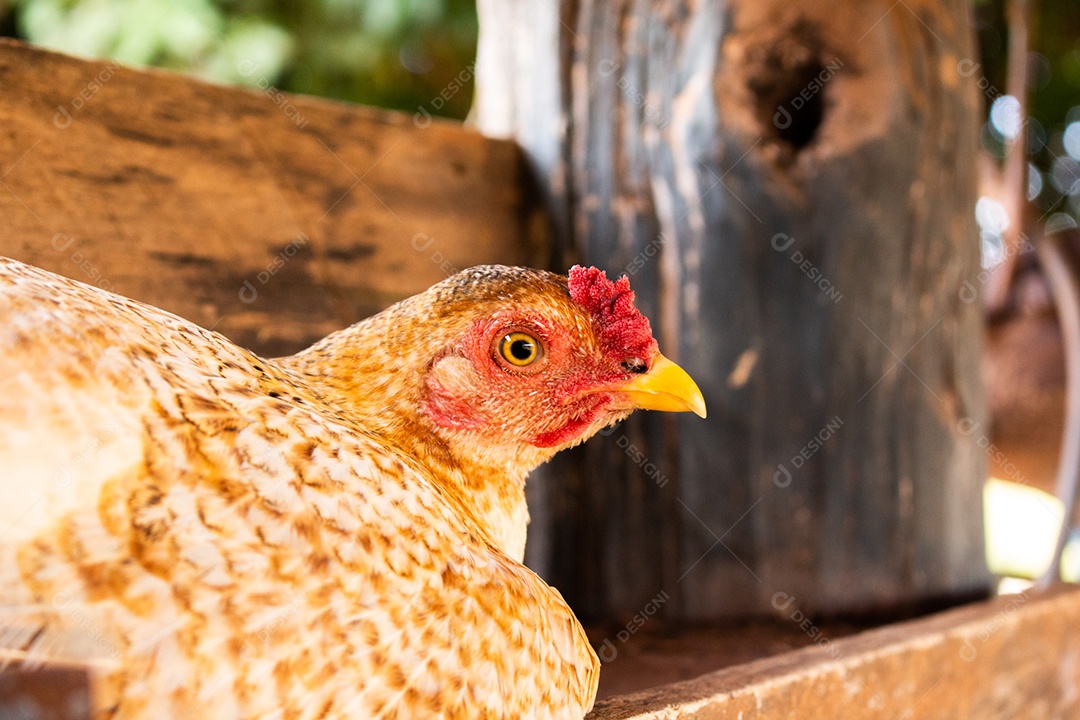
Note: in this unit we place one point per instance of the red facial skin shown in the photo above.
(573, 429)
(569, 387)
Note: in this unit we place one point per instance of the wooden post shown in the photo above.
(791, 187)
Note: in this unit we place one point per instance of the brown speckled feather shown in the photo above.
(223, 536)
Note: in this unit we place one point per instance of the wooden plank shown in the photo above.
(1012, 658)
(58, 692)
(270, 217)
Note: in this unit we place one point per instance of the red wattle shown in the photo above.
(574, 428)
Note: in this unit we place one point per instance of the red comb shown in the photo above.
(624, 331)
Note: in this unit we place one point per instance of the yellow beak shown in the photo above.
(665, 387)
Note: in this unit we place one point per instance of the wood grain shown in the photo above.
(790, 186)
(271, 218)
(1014, 658)
(56, 692)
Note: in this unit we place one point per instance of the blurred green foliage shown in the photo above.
(390, 53)
(1054, 96)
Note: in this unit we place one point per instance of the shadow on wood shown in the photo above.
(1013, 658)
(271, 218)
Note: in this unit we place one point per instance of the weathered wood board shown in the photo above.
(1013, 658)
(271, 218)
(56, 692)
(790, 185)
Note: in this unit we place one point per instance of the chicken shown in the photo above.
(334, 534)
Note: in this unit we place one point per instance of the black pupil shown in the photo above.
(521, 349)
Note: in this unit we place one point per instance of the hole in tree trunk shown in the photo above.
(788, 76)
(798, 125)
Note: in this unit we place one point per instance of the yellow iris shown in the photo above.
(519, 349)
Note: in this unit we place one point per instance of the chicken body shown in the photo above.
(335, 534)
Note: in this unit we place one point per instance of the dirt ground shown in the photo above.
(655, 656)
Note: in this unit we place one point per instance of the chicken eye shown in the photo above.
(519, 349)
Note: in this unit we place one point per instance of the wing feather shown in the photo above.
(218, 552)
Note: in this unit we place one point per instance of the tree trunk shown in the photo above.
(790, 186)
